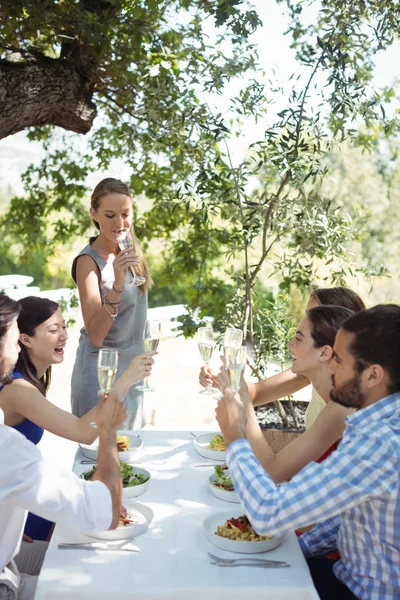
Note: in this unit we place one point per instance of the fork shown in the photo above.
(232, 561)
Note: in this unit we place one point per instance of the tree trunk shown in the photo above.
(51, 92)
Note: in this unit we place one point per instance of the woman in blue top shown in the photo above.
(42, 340)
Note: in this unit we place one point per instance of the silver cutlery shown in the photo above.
(219, 559)
(94, 546)
(260, 565)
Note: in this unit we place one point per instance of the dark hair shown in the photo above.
(325, 323)
(34, 311)
(9, 311)
(339, 296)
(109, 185)
(376, 340)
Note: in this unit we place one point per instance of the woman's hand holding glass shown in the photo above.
(206, 343)
(151, 337)
(140, 367)
(125, 243)
(232, 338)
(107, 365)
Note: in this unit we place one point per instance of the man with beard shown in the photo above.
(27, 482)
(354, 495)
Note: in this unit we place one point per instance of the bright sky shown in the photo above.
(16, 152)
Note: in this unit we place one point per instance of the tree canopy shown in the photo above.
(63, 62)
(148, 70)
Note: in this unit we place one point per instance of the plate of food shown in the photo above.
(210, 445)
(221, 485)
(135, 520)
(135, 481)
(127, 442)
(232, 531)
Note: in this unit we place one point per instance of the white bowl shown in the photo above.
(135, 490)
(202, 445)
(135, 446)
(142, 513)
(210, 526)
(220, 492)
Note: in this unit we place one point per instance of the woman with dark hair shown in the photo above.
(42, 339)
(312, 349)
(9, 311)
(114, 313)
(287, 382)
(337, 296)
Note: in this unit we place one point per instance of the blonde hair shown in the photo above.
(116, 186)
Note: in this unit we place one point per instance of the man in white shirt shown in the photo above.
(29, 483)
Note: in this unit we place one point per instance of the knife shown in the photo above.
(94, 546)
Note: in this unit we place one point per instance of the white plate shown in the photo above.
(202, 445)
(210, 527)
(220, 492)
(135, 490)
(143, 515)
(135, 445)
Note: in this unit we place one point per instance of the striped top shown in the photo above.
(353, 496)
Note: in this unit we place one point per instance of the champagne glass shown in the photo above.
(235, 363)
(151, 337)
(107, 365)
(125, 242)
(233, 337)
(206, 342)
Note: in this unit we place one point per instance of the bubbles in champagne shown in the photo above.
(205, 351)
(106, 376)
(150, 345)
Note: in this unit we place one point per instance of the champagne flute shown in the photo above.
(206, 342)
(152, 334)
(107, 365)
(235, 363)
(232, 339)
(125, 242)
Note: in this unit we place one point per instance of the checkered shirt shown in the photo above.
(353, 496)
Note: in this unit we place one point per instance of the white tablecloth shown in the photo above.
(172, 563)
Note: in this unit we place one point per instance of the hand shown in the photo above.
(140, 367)
(110, 412)
(121, 264)
(223, 382)
(223, 378)
(207, 377)
(231, 416)
(26, 538)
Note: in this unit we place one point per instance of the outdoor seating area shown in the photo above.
(199, 300)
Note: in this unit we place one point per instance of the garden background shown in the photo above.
(260, 141)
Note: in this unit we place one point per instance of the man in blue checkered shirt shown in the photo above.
(354, 495)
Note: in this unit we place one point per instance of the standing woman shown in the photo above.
(114, 313)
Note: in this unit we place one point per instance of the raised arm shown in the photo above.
(96, 317)
(309, 446)
(28, 481)
(275, 387)
(22, 399)
(110, 414)
(266, 391)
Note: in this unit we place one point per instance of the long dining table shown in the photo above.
(171, 561)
